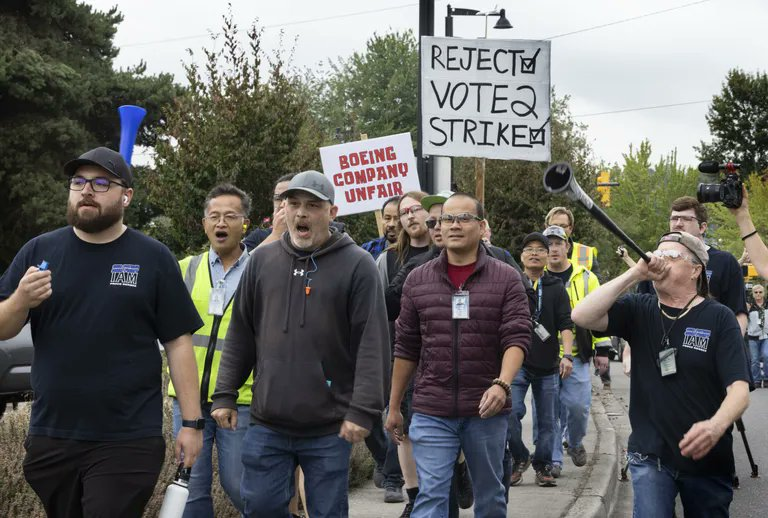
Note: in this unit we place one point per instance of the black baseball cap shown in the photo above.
(109, 160)
(536, 236)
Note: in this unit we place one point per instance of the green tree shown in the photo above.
(640, 203)
(738, 122)
(241, 120)
(373, 92)
(58, 97)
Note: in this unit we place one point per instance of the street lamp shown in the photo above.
(502, 23)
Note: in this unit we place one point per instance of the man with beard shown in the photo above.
(309, 321)
(391, 220)
(99, 295)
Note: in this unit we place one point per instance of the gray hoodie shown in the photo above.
(313, 327)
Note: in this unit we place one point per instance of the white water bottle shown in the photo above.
(176, 495)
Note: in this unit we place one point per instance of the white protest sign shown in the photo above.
(368, 172)
(486, 98)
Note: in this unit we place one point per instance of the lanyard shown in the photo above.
(539, 294)
(665, 339)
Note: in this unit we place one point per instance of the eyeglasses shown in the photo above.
(77, 183)
(431, 223)
(674, 255)
(536, 250)
(464, 217)
(413, 209)
(683, 219)
(229, 218)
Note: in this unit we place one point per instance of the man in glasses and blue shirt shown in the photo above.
(99, 295)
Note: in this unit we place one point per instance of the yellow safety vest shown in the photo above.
(583, 255)
(581, 283)
(197, 277)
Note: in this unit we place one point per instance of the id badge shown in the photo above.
(461, 305)
(541, 331)
(216, 302)
(667, 362)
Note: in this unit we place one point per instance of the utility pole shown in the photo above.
(426, 28)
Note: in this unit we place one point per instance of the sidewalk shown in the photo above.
(581, 492)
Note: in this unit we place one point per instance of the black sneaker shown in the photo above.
(544, 477)
(378, 476)
(578, 455)
(407, 511)
(463, 485)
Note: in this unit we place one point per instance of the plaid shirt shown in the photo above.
(376, 246)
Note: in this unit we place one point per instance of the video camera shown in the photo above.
(728, 191)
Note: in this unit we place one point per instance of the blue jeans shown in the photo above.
(544, 397)
(758, 349)
(228, 449)
(572, 414)
(655, 487)
(269, 461)
(436, 444)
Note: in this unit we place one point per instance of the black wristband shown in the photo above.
(743, 238)
(568, 357)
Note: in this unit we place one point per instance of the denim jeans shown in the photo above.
(436, 444)
(758, 349)
(269, 461)
(572, 414)
(544, 396)
(655, 487)
(228, 448)
(384, 453)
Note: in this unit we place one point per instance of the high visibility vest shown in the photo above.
(197, 277)
(583, 255)
(581, 283)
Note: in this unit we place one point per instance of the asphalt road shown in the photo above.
(749, 501)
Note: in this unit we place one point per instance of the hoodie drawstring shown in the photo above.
(307, 286)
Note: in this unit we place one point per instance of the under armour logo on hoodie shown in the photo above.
(298, 273)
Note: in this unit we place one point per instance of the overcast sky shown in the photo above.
(678, 56)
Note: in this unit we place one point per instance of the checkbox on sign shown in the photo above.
(528, 65)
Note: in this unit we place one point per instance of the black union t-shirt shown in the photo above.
(97, 372)
(662, 409)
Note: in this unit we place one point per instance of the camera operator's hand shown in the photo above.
(743, 210)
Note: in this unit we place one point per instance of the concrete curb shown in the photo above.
(600, 491)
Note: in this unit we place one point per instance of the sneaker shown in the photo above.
(393, 495)
(544, 477)
(518, 468)
(378, 476)
(557, 469)
(463, 485)
(578, 455)
(565, 445)
(407, 511)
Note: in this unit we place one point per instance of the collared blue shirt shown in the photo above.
(231, 277)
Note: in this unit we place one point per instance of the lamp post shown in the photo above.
(426, 28)
(502, 23)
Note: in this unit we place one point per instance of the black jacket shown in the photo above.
(555, 316)
(313, 329)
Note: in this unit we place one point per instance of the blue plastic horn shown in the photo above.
(130, 120)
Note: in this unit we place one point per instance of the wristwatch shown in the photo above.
(568, 357)
(197, 424)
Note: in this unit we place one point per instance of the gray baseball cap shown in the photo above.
(555, 231)
(313, 182)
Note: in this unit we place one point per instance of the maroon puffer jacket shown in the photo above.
(458, 359)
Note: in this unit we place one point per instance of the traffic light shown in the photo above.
(604, 187)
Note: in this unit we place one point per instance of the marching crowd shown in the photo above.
(287, 345)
